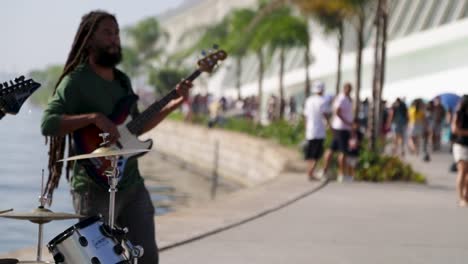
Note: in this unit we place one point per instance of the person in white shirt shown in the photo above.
(341, 126)
(316, 117)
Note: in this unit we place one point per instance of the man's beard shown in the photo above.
(106, 59)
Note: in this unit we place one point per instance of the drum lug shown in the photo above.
(95, 261)
(59, 258)
(105, 230)
(83, 241)
(118, 249)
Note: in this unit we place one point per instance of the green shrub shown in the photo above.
(378, 168)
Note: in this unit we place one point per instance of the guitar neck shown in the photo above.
(137, 124)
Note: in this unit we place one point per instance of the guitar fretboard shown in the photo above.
(136, 125)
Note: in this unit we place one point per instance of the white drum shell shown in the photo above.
(98, 246)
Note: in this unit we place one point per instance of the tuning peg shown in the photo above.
(5, 84)
(1, 86)
(11, 83)
(19, 79)
(215, 46)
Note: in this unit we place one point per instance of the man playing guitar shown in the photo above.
(86, 94)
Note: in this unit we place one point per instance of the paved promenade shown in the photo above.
(292, 220)
(349, 223)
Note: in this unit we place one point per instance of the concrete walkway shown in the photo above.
(292, 220)
(349, 223)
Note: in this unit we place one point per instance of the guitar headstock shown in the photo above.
(210, 61)
(15, 92)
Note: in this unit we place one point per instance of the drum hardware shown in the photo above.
(135, 252)
(104, 232)
(113, 175)
(39, 216)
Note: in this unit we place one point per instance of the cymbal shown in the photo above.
(40, 215)
(106, 152)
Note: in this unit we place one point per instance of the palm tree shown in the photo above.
(331, 15)
(332, 21)
(131, 61)
(145, 36)
(239, 20)
(145, 46)
(358, 12)
(225, 34)
(257, 46)
(256, 37)
(285, 32)
(376, 117)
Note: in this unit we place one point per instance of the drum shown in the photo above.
(89, 241)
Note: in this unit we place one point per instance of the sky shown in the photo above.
(35, 34)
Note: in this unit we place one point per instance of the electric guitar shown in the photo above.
(89, 138)
(14, 94)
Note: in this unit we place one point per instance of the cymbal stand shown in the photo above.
(135, 251)
(43, 200)
(113, 176)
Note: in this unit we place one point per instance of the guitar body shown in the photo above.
(87, 139)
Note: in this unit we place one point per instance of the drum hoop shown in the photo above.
(69, 231)
(88, 221)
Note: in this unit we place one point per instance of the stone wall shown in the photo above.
(245, 159)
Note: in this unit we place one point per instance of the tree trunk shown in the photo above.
(383, 56)
(307, 65)
(238, 76)
(340, 56)
(360, 45)
(282, 104)
(260, 85)
(383, 50)
(375, 109)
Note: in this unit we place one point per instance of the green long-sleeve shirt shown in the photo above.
(81, 92)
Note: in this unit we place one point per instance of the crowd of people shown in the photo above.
(421, 125)
(424, 123)
(219, 108)
(418, 127)
(224, 107)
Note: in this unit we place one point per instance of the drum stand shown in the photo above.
(113, 176)
(135, 251)
(43, 200)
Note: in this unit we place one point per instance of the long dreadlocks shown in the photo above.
(78, 54)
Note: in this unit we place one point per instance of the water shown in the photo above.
(23, 154)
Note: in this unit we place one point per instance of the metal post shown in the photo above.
(39, 244)
(214, 181)
(113, 176)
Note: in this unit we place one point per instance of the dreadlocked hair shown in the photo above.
(78, 55)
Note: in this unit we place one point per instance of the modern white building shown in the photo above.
(427, 51)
